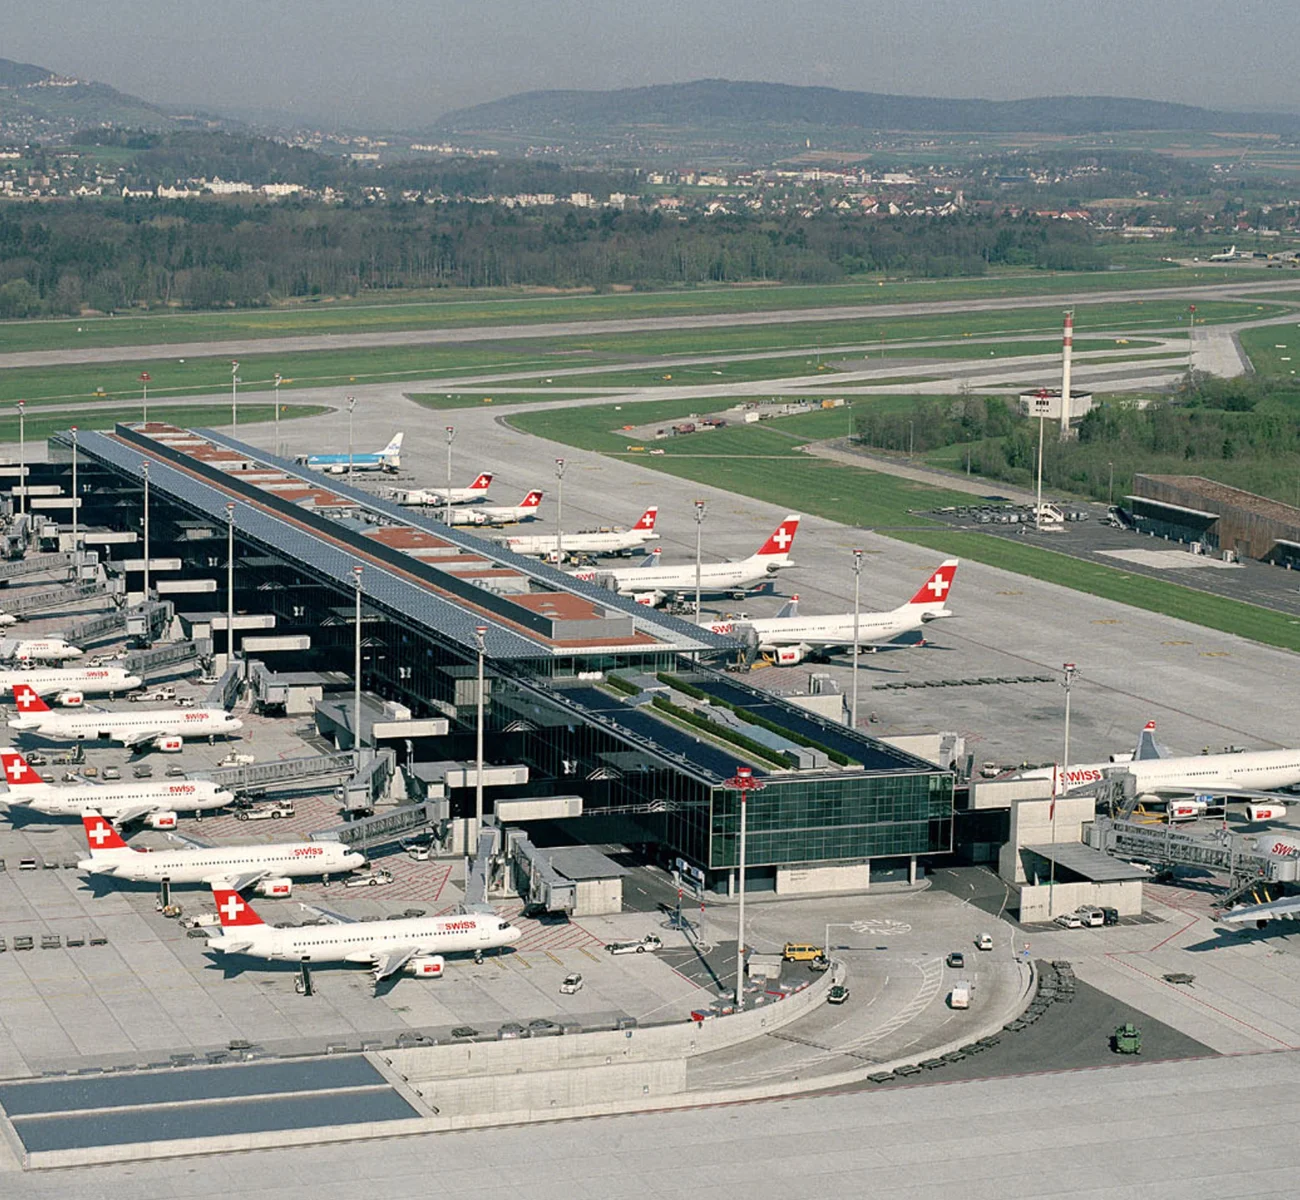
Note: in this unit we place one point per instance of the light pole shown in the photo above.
(144, 470)
(22, 457)
(144, 397)
(857, 616)
(356, 665)
(451, 437)
(1038, 507)
(352, 407)
(559, 512)
(277, 381)
(1070, 670)
(230, 584)
(700, 509)
(480, 633)
(1191, 335)
(76, 522)
(1110, 487)
(911, 437)
(743, 782)
(234, 395)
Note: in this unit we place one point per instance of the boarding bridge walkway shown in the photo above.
(393, 823)
(1164, 845)
(535, 879)
(480, 869)
(144, 622)
(160, 660)
(35, 564)
(55, 597)
(285, 772)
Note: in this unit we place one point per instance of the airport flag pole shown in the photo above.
(700, 509)
(743, 782)
(450, 431)
(857, 616)
(22, 457)
(144, 470)
(276, 383)
(480, 633)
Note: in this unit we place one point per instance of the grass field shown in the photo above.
(329, 368)
(452, 308)
(188, 416)
(764, 463)
(1274, 350)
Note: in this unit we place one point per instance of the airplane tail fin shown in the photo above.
(28, 701)
(18, 771)
(651, 559)
(1146, 747)
(647, 519)
(482, 483)
(100, 835)
(235, 912)
(532, 500)
(776, 550)
(394, 448)
(789, 609)
(934, 591)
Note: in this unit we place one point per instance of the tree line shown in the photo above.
(108, 254)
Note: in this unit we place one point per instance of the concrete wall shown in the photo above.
(1032, 824)
(1003, 793)
(596, 897)
(846, 877)
(1045, 901)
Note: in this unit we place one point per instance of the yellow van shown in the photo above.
(798, 952)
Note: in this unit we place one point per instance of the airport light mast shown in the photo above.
(144, 470)
(743, 782)
(480, 634)
(276, 384)
(700, 509)
(857, 617)
(356, 665)
(1042, 397)
(144, 397)
(352, 408)
(22, 457)
(559, 512)
(234, 395)
(450, 431)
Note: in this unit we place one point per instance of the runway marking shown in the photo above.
(1107, 621)
(1216, 654)
(881, 926)
(1176, 642)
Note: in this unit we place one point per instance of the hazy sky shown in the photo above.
(403, 62)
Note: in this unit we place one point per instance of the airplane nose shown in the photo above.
(234, 723)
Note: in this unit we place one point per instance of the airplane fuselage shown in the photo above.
(366, 941)
(129, 727)
(196, 795)
(90, 681)
(610, 542)
(223, 862)
(1264, 770)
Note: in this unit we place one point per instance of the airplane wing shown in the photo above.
(392, 961)
(124, 815)
(237, 883)
(137, 737)
(1173, 791)
(186, 840)
(1286, 909)
(334, 918)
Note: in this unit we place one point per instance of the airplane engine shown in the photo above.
(649, 599)
(279, 887)
(168, 744)
(790, 656)
(336, 469)
(70, 699)
(1265, 812)
(161, 820)
(426, 966)
(1186, 810)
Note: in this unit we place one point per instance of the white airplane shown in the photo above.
(157, 803)
(70, 684)
(162, 729)
(589, 541)
(789, 638)
(654, 584)
(477, 490)
(510, 514)
(38, 650)
(415, 945)
(270, 866)
(1253, 775)
(1227, 255)
(387, 459)
(7, 619)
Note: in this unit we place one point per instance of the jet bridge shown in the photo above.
(1163, 845)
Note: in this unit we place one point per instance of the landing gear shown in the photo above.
(303, 985)
(478, 958)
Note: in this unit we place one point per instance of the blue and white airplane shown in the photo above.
(387, 459)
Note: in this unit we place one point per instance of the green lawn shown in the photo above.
(455, 307)
(190, 416)
(1275, 349)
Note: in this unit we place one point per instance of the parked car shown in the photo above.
(1091, 917)
(112, 772)
(266, 812)
(819, 964)
(837, 994)
(1070, 921)
(572, 984)
(1110, 915)
(984, 941)
(956, 959)
(175, 772)
(419, 853)
(369, 879)
(142, 771)
(802, 952)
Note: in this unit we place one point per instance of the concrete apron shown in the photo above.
(594, 1090)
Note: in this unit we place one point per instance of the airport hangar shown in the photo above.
(550, 641)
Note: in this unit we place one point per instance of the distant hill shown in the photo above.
(719, 104)
(37, 104)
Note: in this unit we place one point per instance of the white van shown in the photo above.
(959, 997)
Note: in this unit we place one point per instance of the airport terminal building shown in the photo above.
(587, 694)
